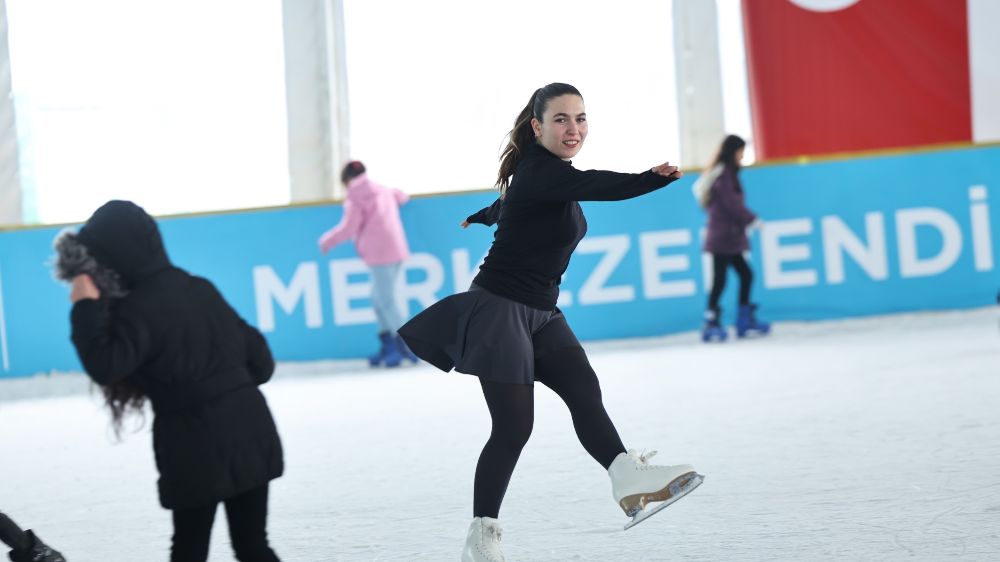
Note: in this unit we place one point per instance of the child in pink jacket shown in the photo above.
(371, 219)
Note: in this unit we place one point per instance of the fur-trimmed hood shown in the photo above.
(122, 241)
(72, 259)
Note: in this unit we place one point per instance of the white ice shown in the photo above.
(866, 439)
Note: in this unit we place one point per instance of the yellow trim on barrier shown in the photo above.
(834, 157)
(881, 152)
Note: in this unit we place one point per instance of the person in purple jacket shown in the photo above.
(371, 219)
(726, 240)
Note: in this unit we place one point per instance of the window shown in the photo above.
(178, 105)
(435, 85)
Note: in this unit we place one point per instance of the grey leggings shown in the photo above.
(384, 297)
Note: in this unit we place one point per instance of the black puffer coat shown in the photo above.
(175, 338)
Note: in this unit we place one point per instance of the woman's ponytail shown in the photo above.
(518, 138)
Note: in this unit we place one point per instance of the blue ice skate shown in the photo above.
(747, 323)
(392, 356)
(376, 360)
(405, 351)
(713, 330)
(389, 353)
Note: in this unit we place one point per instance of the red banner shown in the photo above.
(841, 75)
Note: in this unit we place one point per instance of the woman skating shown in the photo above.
(506, 329)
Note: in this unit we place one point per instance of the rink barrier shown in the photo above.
(841, 238)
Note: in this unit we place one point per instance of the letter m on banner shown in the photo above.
(303, 287)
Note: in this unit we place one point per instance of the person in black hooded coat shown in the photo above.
(170, 337)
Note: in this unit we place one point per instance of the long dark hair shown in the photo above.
(122, 398)
(72, 258)
(727, 152)
(521, 136)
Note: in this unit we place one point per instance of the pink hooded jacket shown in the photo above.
(371, 219)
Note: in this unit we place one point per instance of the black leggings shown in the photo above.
(720, 262)
(512, 408)
(247, 517)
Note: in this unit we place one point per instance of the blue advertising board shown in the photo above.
(870, 235)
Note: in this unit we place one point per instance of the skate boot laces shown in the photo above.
(492, 547)
(641, 460)
(493, 532)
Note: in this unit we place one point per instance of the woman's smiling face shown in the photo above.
(563, 127)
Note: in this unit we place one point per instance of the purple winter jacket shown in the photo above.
(728, 216)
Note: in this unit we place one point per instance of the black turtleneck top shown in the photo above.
(540, 222)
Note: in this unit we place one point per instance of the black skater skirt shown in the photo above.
(483, 334)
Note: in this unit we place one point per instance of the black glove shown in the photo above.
(27, 546)
(37, 551)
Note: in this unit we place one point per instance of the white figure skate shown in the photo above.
(636, 484)
(482, 544)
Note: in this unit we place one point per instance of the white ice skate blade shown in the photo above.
(684, 489)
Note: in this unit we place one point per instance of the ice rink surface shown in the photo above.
(865, 439)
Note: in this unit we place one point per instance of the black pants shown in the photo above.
(247, 517)
(720, 263)
(512, 408)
